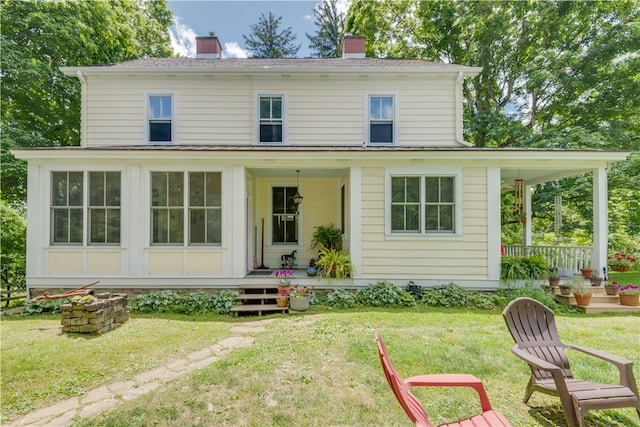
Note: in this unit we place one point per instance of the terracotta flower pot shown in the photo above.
(611, 290)
(583, 299)
(630, 300)
(586, 272)
(282, 301)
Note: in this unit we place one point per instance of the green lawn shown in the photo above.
(316, 369)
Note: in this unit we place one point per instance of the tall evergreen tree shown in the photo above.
(267, 41)
(327, 41)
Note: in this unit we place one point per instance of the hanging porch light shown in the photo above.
(297, 198)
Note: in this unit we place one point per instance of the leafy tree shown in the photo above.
(267, 41)
(555, 75)
(327, 41)
(13, 255)
(40, 106)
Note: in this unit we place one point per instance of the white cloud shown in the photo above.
(234, 50)
(183, 38)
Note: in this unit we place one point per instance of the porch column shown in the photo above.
(237, 238)
(493, 223)
(355, 218)
(526, 229)
(600, 221)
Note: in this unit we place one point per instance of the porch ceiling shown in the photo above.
(291, 172)
(533, 176)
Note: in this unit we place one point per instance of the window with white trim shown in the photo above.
(102, 207)
(199, 216)
(271, 118)
(160, 118)
(284, 227)
(423, 204)
(382, 120)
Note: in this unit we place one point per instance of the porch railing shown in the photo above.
(566, 257)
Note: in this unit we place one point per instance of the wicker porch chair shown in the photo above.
(532, 326)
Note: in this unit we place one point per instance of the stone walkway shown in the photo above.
(109, 396)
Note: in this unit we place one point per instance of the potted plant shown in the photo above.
(328, 236)
(580, 292)
(620, 261)
(299, 298)
(334, 264)
(629, 294)
(282, 298)
(595, 279)
(554, 278)
(611, 288)
(586, 272)
(285, 278)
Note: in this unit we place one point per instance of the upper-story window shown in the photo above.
(271, 118)
(160, 117)
(102, 208)
(382, 121)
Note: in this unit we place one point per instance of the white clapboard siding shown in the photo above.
(221, 112)
(428, 256)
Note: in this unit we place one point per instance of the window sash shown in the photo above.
(271, 118)
(198, 217)
(160, 117)
(423, 204)
(104, 208)
(67, 195)
(381, 119)
(284, 216)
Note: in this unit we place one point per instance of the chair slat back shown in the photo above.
(408, 400)
(532, 326)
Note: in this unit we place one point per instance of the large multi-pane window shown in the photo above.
(102, 207)
(271, 118)
(381, 120)
(423, 204)
(201, 209)
(285, 218)
(160, 116)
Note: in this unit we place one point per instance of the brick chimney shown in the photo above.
(208, 47)
(353, 46)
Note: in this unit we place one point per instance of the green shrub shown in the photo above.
(385, 294)
(452, 296)
(340, 298)
(184, 303)
(508, 294)
(523, 268)
(45, 306)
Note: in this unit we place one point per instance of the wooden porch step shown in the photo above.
(259, 309)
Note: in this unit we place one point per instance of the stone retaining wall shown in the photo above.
(96, 318)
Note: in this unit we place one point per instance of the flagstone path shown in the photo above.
(109, 396)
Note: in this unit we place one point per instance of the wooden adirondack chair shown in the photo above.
(532, 326)
(414, 408)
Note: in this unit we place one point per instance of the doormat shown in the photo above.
(260, 273)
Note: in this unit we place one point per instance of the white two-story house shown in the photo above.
(188, 167)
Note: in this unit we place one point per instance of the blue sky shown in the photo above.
(230, 20)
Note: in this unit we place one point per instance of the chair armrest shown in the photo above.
(625, 366)
(533, 360)
(452, 380)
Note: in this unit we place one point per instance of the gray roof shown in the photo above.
(270, 64)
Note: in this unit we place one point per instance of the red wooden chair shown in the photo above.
(533, 328)
(413, 407)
